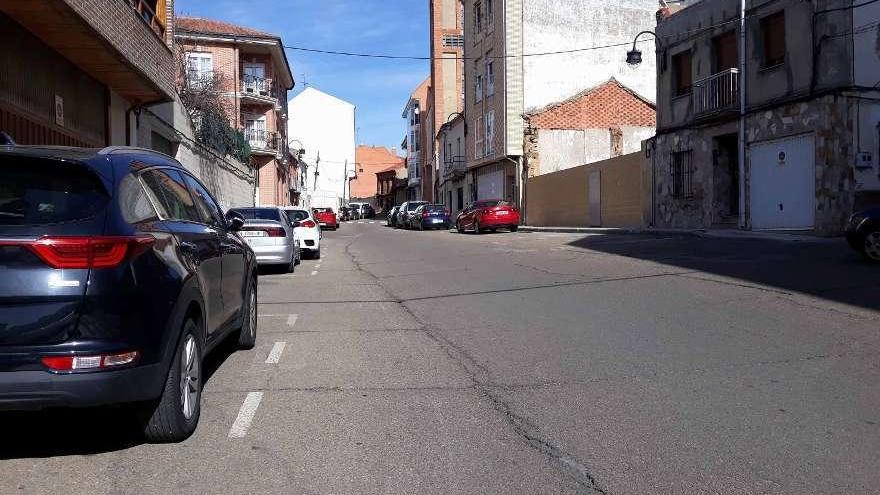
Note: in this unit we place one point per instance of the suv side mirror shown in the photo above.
(234, 221)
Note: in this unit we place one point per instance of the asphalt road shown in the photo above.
(433, 362)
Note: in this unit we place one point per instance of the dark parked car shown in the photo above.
(392, 217)
(863, 233)
(119, 273)
(428, 217)
(367, 211)
(489, 214)
(344, 214)
(405, 212)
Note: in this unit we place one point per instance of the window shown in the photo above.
(210, 212)
(682, 168)
(259, 213)
(453, 40)
(490, 14)
(490, 133)
(773, 39)
(170, 195)
(478, 140)
(416, 116)
(40, 192)
(199, 67)
(682, 73)
(478, 80)
(254, 79)
(490, 77)
(724, 48)
(478, 18)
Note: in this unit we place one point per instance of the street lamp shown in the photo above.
(634, 56)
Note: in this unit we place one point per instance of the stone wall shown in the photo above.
(831, 119)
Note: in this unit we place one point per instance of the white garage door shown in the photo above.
(491, 185)
(783, 183)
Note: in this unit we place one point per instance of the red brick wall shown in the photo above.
(371, 159)
(608, 106)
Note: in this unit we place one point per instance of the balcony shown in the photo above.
(263, 143)
(258, 90)
(147, 10)
(454, 167)
(119, 43)
(716, 94)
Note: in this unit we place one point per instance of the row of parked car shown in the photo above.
(120, 273)
(481, 216)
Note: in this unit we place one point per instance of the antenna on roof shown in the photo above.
(6, 139)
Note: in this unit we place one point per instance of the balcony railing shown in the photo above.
(257, 86)
(199, 80)
(717, 93)
(454, 165)
(147, 12)
(262, 141)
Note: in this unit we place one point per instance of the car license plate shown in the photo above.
(322, 224)
(502, 212)
(437, 220)
(253, 233)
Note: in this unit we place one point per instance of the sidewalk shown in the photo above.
(787, 236)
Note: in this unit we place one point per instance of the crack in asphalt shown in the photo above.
(483, 385)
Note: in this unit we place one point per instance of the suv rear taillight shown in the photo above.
(86, 251)
(425, 214)
(275, 232)
(79, 363)
(308, 224)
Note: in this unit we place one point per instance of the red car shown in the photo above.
(488, 214)
(326, 218)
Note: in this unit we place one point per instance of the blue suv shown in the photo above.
(118, 273)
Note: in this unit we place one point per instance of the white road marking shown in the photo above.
(275, 353)
(246, 415)
(318, 265)
(314, 273)
(371, 223)
(291, 320)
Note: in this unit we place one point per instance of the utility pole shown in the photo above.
(742, 115)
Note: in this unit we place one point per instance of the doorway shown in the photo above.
(725, 163)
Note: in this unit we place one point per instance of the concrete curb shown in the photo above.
(710, 234)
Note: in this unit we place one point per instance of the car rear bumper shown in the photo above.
(29, 390)
(273, 255)
(499, 221)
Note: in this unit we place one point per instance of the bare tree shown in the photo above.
(202, 95)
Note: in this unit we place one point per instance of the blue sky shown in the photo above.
(379, 88)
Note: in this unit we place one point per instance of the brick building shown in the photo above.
(416, 142)
(445, 98)
(78, 73)
(596, 124)
(369, 160)
(390, 187)
(256, 77)
(501, 85)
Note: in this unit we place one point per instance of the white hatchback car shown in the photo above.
(307, 232)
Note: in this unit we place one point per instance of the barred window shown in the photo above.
(453, 40)
(682, 168)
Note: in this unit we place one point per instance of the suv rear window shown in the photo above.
(40, 192)
(413, 206)
(259, 213)
(435, 208)
(297, 215)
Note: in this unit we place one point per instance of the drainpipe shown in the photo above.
(742, 115)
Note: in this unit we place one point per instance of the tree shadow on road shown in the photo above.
(827, 269)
